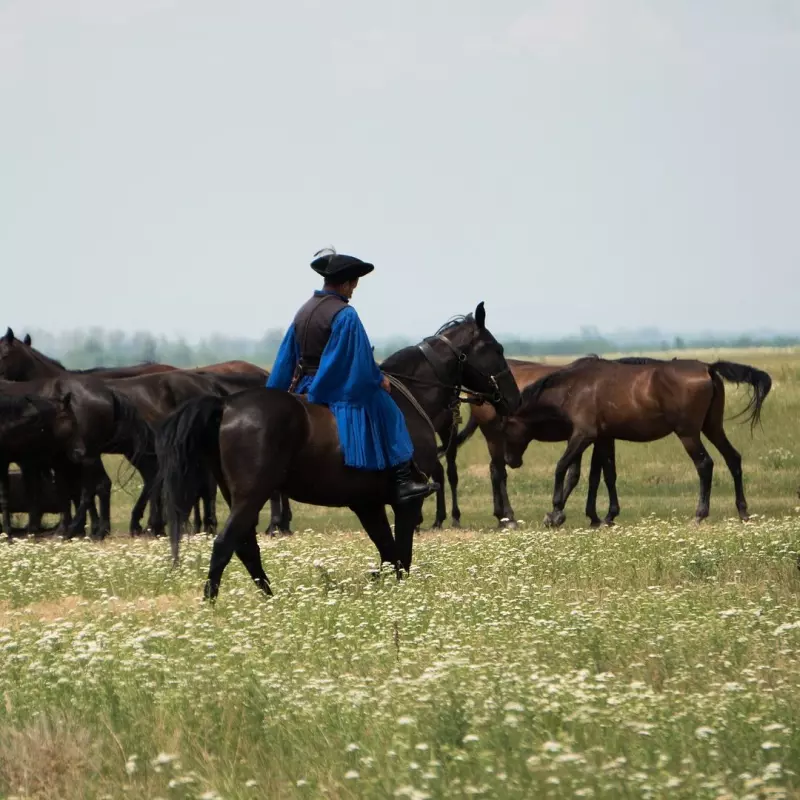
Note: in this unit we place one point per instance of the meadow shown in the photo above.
(655, 659)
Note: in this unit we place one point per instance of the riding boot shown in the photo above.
(406, 487)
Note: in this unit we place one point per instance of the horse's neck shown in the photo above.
(44, 367)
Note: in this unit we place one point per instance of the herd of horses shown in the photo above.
(190, 432)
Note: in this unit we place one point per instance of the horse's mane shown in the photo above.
(392, 361)
(640, 360)
(92, 370)
(453, 322)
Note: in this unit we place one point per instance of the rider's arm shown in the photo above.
(285, 362)
(347, 370)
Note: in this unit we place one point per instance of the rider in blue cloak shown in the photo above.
(327, 356)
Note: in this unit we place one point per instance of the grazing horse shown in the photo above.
(265, 441)
(545, 430)
(20, 361)
(638, 400)
(109, 423)
(33, 429)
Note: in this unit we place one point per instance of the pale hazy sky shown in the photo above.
(174, 164)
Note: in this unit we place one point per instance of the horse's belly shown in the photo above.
(326, 481)
(642, 429)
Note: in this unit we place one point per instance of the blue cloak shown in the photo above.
(372, 429)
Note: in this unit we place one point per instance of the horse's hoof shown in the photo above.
(609, 522)
(507, 524)
(455, 523)
(555, 519)
(286, 533)
(595, 523)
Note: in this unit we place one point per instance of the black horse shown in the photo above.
(437, 376)
(34, 430)
(266, 441)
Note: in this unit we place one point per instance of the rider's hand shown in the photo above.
(385, 384)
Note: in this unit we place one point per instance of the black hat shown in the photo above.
(339, 268)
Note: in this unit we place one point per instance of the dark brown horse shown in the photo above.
(20, 361)
(158, 395)
(35, 430)
(485, 418)
(437, 379)
(638, 400)
(46, 495)
(266, 441)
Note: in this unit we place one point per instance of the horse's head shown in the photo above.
(20, 361)
(516, 438)
(66, 428)
(13, 358)
(484, 367)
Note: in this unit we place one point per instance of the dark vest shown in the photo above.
(312, 328)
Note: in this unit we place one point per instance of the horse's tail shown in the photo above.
(759, 380)
(465, 433)
(187, 443)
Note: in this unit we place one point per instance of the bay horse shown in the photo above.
(267, 441)
(553, 429)
(33, 429)
(638, 400)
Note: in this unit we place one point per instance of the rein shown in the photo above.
(443, 380)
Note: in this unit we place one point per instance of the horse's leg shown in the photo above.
(240, 525)
(197, 522)
(210, 505)
(716, 435)
(610, 477)
(437, 475)
(148, 479)
(102, 527)
(405, 516)
(572, 479)
(373, 518)
(32, 481)
(275, 517)
(451, 455)
(595, 471)
(575, 447)
(5, 498)
(286, 516)
(250, 555)
(705, 469)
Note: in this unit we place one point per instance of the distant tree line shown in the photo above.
(82, 349)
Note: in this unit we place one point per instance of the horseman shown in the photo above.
(326, 355)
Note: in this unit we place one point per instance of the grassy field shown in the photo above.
(655, 659)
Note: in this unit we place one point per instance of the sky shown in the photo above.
(173, 165)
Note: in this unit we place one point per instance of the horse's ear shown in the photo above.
(480, 315)
(9, 337)
(27, 339)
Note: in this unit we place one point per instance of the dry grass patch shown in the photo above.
(51, 757)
